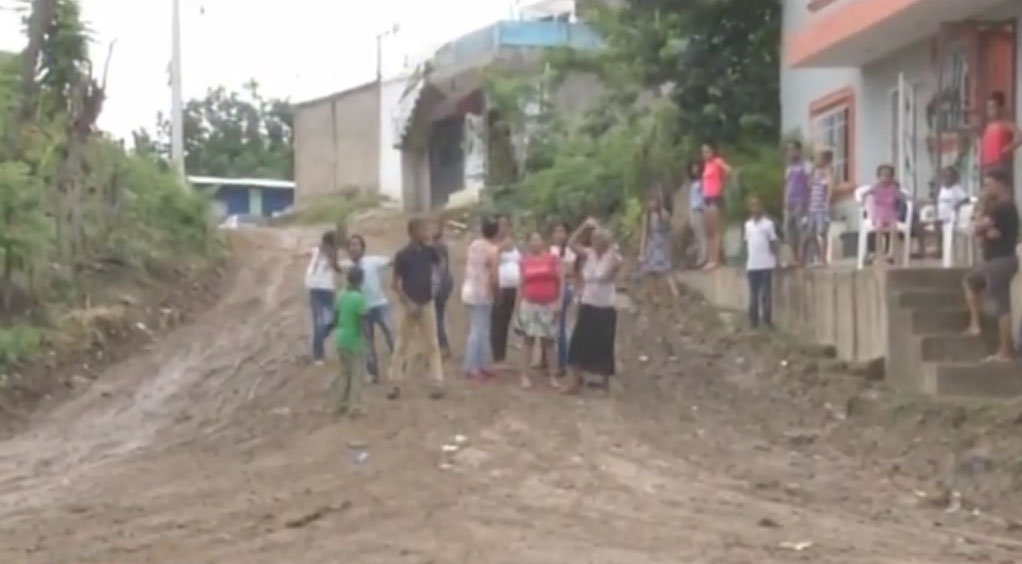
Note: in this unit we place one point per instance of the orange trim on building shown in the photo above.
(839, 23)
(844, 97)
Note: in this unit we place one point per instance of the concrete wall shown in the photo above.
(337, 143)
(578, 94)
(843, 308)
(390, 158)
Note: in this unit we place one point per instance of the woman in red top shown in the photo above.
(1000, 137)
(715, 173)
(540, 292)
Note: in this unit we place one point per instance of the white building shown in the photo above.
(898, 81)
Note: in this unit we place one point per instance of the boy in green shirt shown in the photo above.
(349, 314)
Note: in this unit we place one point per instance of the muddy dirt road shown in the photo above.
(216, 445)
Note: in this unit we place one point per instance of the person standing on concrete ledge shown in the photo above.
(761, 260)
(1000, 139)
(997, 228)
(796, 200)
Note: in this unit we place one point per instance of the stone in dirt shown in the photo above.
(316, 515)
(872, 370)
(802, 437)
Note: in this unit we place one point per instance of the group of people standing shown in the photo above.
(533, 291)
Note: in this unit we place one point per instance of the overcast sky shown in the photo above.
(298, 49)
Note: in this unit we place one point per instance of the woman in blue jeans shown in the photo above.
(477, 292)
(319, 281)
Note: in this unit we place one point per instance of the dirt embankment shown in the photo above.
(216, 443)
(127, 312)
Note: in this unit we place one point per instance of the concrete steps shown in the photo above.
(974, 379)
(923, 278)
(942, 360)
(930, 299)
(939, 321)
(953, 348)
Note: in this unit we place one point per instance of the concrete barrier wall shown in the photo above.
(844, 308)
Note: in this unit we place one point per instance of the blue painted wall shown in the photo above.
(516, 33)
(234, 199)
(242, 200)
(275, 200)
(546, 34)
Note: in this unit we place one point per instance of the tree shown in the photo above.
(72, 201)
(719, 61)
(230, 134)
(675, 74)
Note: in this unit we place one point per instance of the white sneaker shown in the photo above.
(318, 363)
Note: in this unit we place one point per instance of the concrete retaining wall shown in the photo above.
(845, 308)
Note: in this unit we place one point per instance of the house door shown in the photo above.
(903, 134)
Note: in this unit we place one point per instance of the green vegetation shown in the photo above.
(75, 206)
(675, 75)
(229, 134)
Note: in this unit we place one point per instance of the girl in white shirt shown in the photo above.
(950, 197)
(319, 281)
(508, 278)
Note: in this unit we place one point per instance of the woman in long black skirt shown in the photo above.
(591, 349)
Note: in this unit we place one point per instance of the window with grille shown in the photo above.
(832, 130)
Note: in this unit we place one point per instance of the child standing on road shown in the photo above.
(378, 309)
(349, 319)
(761, 252)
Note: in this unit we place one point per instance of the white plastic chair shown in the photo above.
(866, 227)
(960, 224)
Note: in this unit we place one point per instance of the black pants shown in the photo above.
(440, 302)
(500, 324)
(760, 289)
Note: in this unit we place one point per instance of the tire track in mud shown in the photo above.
(138, 400)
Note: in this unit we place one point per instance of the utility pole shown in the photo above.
(379, 52)
(379, 84)
(177, 145)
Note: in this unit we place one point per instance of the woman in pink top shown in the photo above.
(715, 174)
(1000, 137)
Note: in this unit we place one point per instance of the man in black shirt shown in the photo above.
(414, 270)
(997, 228)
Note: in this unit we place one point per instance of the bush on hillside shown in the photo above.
(73, 202)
